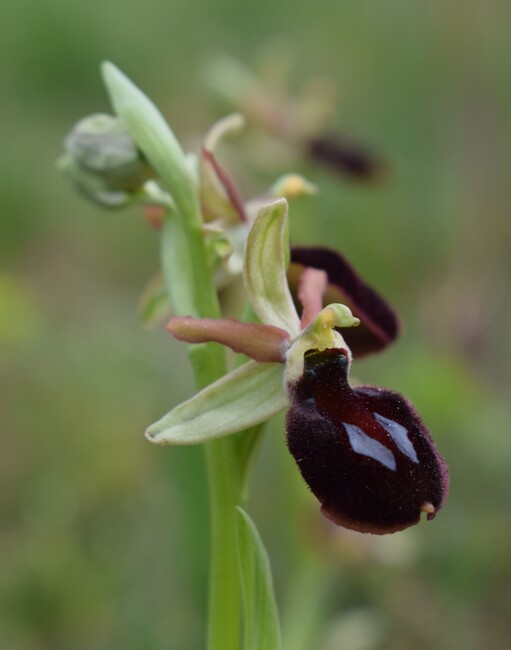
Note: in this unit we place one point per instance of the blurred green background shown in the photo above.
(103, 538)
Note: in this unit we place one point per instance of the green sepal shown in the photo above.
(220, 198)
(261, 622)
(241, 399)
(229, 125)
(264, 268)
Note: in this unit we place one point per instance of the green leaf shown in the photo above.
(154, 138)
(243, 398)
(246, 446)
(261, 623)
(265, 268)
(185, 264)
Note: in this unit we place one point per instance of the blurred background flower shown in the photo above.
(102, 536)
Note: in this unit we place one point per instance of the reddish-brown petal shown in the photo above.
(379, 324)
(349, 159)
(263, 343)
(312, 286)
(365, 453)
(154, 215)
(227, 183)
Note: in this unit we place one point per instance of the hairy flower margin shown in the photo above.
(364, 452)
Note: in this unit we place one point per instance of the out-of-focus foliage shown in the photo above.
(103, 537)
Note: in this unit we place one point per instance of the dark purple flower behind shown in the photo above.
(379, 324)
(346, 158)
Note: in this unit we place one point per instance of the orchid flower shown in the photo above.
(364, 452)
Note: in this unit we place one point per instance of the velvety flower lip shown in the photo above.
(379, 323)
(364, 452)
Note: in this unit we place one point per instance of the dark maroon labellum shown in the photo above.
(364, 452)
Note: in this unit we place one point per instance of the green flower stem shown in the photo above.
(225, 485)
(189, 283)
(224, 623)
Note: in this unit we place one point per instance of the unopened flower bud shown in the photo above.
(103, 161)
(101, 144)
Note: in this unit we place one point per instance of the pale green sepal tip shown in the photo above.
(261, 621)
(241, 399)
(265, 268)
(229, 125)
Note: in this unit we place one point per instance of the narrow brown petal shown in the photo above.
(227, 183)
(263, 343)
(364, 452)
(379, 324)
(347, 158)
(311, 289)
(154, 215)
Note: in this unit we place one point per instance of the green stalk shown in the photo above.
(224, 482)
(189, 282)
(224, 623)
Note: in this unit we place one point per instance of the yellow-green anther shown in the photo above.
(335, 315)
(319, 335)
(292, 186)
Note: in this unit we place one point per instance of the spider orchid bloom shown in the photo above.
(364, 452)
